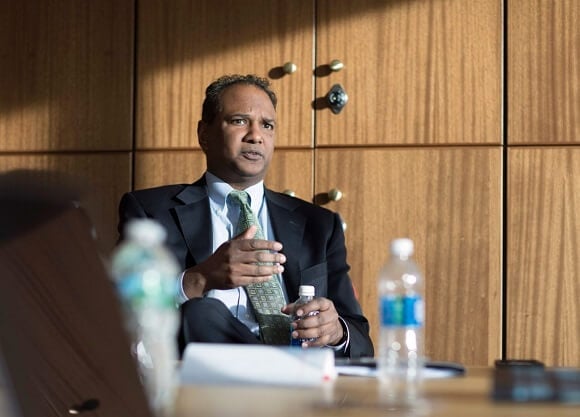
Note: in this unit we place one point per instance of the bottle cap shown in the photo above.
(306, 290)
(145, 231)
(402, 247)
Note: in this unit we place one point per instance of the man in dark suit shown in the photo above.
(303, 244)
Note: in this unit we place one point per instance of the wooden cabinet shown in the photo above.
(66, 78)
(455, 222)
(185, 45)
(542, 259)
(102, 179)
(66, 75)
(543, 267)
(461, 130)
(416, 73)
(425, 75)
(543, 72)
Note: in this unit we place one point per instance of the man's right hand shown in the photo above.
(237, 262)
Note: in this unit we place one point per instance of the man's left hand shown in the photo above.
(325, 327)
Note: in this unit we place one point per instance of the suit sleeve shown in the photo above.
(341, 292)
(129, 208)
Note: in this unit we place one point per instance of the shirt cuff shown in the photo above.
(346, 336)
(181, 297)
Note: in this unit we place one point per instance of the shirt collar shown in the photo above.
(218, 191)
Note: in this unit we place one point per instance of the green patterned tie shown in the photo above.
(267, 297)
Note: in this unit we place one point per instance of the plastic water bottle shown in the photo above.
(146, 276)
(305, 295)
(401, 354)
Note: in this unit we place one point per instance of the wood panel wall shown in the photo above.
(184, 47)
(422, 77)
(426, 72)
(543, 72)
(543, 189)
(543, 279)
(415, 192)
(67, 102)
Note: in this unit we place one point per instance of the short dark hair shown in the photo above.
(212, 102)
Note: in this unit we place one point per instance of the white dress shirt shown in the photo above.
(224, 218)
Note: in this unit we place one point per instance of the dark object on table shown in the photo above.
(532, 382)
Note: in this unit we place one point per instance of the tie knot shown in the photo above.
(240, 197)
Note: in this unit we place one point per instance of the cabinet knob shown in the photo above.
(291, 193)
(289, 68)
(336, 98)
(335, 194)
(336, 65)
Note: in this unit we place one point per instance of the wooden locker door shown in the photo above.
(448, 201)
(415, 72)
(183, 45)
(543, 287)
(543, 284)
(66, 75)
(104, 177)
(66, 97)
(544, 72)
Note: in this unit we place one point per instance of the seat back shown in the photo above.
(62, 339)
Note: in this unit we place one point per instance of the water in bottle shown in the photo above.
(401, 356)
(146, 275)
(305, 295)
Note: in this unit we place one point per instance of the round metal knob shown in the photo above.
(335, 194)
(289, 68)
(289, 192)
(336, 98)
(336, 65)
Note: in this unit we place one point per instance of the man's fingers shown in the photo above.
(259, 245)
(259, 270)
(264, 270)
(320, 304)
(249, 233)
(253, 270)
(254, 279)
(259, 257)
(247, 241)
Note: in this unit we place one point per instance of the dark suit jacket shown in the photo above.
(312, 237)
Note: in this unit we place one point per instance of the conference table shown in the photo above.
(467, 395)
(355, 396)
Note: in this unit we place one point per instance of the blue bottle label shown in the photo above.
(155, 291)
(402, 310)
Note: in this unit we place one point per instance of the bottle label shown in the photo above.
(402, 310)
(153, 290)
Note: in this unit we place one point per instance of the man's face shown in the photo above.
(239, 143)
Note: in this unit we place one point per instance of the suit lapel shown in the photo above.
(288, 228)
(194, 218)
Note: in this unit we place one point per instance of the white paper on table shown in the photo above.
(213, 363)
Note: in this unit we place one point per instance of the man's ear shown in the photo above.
(202, 134)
